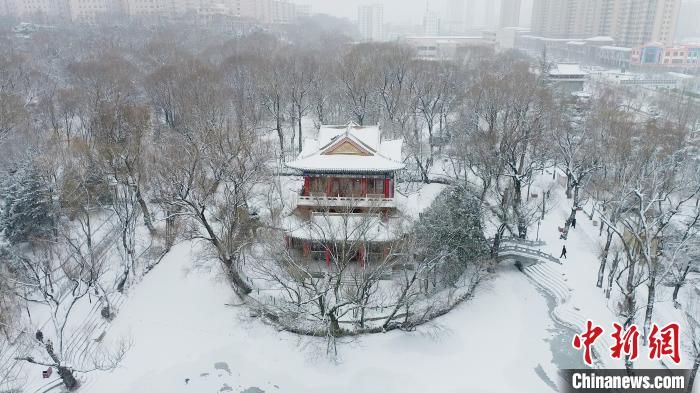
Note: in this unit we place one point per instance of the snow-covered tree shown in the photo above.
(451, 230)
(29, 209)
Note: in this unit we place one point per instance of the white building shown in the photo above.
(370, 21)
(437, 47)
(567, 78)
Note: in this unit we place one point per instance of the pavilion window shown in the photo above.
(334, 187)
(318, 185)
(356, 187)
(345, 187)
(375, 186)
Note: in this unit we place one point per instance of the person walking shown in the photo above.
(563, 252)
(573, 222)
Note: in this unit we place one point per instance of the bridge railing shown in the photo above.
(525, 251)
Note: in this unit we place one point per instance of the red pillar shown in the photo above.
(328, 257)
(387, 188)
(286, 241)
(329, 186)
(363, 185)
(307, 249)
(307, 185)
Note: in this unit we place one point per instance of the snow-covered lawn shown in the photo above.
(183, 325)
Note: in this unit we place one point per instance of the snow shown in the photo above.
(329, 226)
(185, 323)
(579, 272)
(181, 327)
(368, 135)
(414, 203)
(384, 156)
(567, 69)
(342, 162)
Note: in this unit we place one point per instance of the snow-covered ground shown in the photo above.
(183, 323)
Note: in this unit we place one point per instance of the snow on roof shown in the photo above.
(680, 75)
(369, 135)
(600, 39)
(339, 226)
(345, 163)
(567, 69)
(366, 152)
(620, 48)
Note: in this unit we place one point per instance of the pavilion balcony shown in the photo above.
(352, 201)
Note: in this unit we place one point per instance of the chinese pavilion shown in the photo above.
(346, 204)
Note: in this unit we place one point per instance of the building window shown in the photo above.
(375, 186)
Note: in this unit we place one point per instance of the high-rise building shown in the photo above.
(304, 10)
(90, 11)
(489, 18)
(147, 7)
(370, 20)
(629, 22)
(431, 23)
(455, 20)
(510, 13)
(264, 11)
(47, 9)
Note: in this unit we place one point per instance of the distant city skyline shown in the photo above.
(401, 11)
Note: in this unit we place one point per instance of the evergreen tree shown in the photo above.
(451, 227)
(28, 211)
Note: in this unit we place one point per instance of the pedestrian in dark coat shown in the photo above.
(573, 222)
(563, 252)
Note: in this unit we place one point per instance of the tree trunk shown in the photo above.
(301, 146)
(693, 373)
(651, 298)
(497, 241)
(278, 126)
(574, 209)
(65, 373)
(611, 275)
(67, 377)
(517, 202)
(679, 284)
(144, 210)
(604, 259)
(241, 286)
(335, 329)
(630, 301)
(569, 186)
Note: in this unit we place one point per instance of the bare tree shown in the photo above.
(207, 179)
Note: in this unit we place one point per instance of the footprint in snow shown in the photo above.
(223, 366)
(253, 389)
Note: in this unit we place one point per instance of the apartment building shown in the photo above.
(510, 13)
(629, 22)
(264, 11)
(370, 20)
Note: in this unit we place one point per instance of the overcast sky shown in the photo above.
(395, 11)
